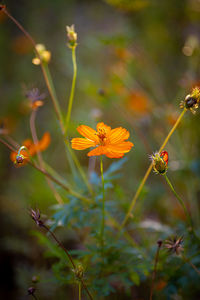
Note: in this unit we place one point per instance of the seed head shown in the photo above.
(35, 214)
(192, 100)
(174, 245)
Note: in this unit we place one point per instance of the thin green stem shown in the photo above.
(179, 200)
(155, 270)
(71, 98)
(69, 256)
(103, 205)
(133, 202)
(52, 91)
(39, 155)
(79, 291)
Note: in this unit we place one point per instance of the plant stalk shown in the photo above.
(133, 202)
(71, 98)
(103, 205)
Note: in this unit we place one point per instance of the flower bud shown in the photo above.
(72, 36)
(79, 271)
(160, 162)
(45, 56)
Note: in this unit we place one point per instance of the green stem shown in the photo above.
(50, 86)
(103, 205)
(133, 202)
(79, 291)
(71, 98)
(179, 200)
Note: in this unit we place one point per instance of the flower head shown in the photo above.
(107, 141)
(192, 100)
(160, 162)
(174, 245)
(45, 55)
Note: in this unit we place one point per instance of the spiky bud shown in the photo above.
(160, 162)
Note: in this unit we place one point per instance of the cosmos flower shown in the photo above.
(107, 141)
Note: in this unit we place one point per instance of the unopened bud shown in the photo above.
(72, 36)
(79, 271)
(45, 56)
(160, 162)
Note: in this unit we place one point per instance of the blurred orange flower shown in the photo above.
(109, 142)
(138, 103)
(32, 148)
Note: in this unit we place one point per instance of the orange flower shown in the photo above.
(138, 103)
(32, 148)
(109, 142)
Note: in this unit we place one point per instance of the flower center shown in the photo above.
(102, 136)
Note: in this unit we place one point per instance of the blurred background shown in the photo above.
(137, 59)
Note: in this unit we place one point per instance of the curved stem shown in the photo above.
(103, 205)
(133, 202)
(71, 98)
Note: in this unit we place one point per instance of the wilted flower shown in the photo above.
(35, 215)
(192, 100)
(45, 55)
(35, 98)
(174, 245)
(109, 142)
(72, 36)
(31, 290)
(160, 162)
